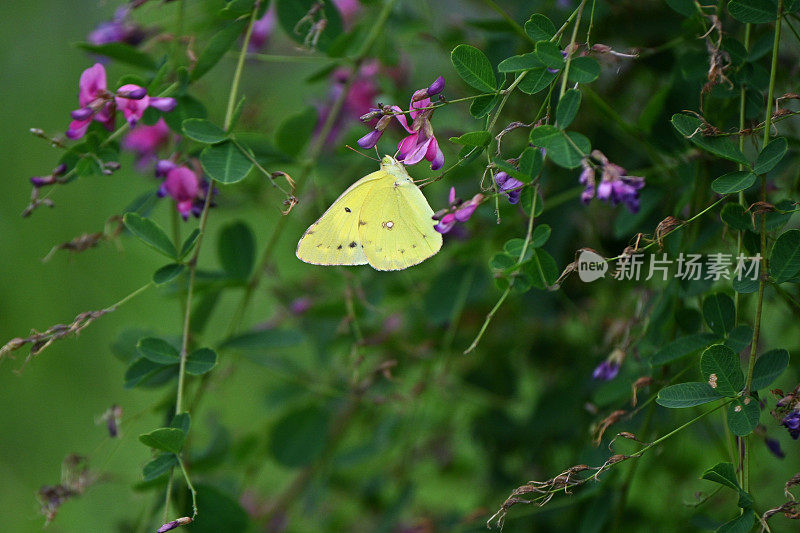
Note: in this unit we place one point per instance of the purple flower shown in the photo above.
(774, 447)
(421, 143)
(509, 186)
(117, 30)
(615, 187)
(262, 30)
(95, 101)
(606, 371)
(169, 526)
(792, 422)
(458, 212)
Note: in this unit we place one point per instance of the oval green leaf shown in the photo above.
(768, 367)
(204, 131)
(686, 395)
(158, 351)
(164, 439)
(150, 233)
(474, 68)
(225, 162)
(733, 182)
(568, 107)
(721, 370)
(784, 261)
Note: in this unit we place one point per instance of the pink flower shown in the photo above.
(421, 143)
(132, 107)
(146, 140)
(182, 185)
(459, 211)
(95, 101)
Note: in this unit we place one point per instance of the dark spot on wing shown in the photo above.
(319, 246)
(362, 223)
(353, 244)
(402, 251)
(413, 245)
(347, 209)
(309, 232)
(339, 247)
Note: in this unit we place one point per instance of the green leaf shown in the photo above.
(536, 80)
(721, 369)
(739, 337)
(733, 182)
(294, 133)
(164, 439)
(201, 361)
(542, 269)
(733, 215)
(722, 473)
(741, 524)
(299, 437)
(204, 131)
(686, 395)
(583, 69)
(167, 273)
(688, 126)
(719, 313)
(549, 54)
(474, 68)
(508, 168)
(181, 421)
(743, 415)
(513, 247)
(268, 338)
(768, 367)
(686, 8)
(530, 164)
(159, 466)
(158, 350)
(753, 11)
(144, 372)
(150, 233)
(225, 162)
(771, 155)
(520, 63)
(236, 249)
(217, 47)
(560, 149)
(745, 280)
(541, 234)
(784, 261)
(483, 105)
(122, 52)
(682, 347)
(540, 28)
(188, 244)
(291, 12)
(568, 107)
(473, 138)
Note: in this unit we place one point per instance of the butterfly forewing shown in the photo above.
(334, 238)
(398, 230)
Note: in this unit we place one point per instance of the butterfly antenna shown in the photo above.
(361, 154)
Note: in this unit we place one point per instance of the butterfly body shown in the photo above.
(382, 220)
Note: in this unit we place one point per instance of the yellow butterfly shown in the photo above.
(382, 219)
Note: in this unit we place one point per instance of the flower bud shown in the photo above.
(436, 87)
(370, 139)
(83, 113)
(133, 94)
(164, 104)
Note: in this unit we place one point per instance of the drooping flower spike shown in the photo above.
(511, 187)
(420, 143)
(615, 185)
(184, 186)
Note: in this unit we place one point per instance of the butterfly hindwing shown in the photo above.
(398, 230)
(334, 238)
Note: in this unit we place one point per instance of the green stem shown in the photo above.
(189, 484)
(740, 235)
(505, 294)
(764, 266)
(565, 75)
(237, 75)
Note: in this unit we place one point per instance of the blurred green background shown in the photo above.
(447, 441)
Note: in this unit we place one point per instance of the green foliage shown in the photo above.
(164, 439)
(151, 234)
(217, 47)
(225, 162)
(720, 367)
(733, 182)
(567, 108)
(565, 149)
(474, 68)
(236, 248)
(768, 367)
(203, 131)
(295, 438)
(687, 395)
(784, 260)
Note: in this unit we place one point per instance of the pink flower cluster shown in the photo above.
(98, 103)
(459, 211)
